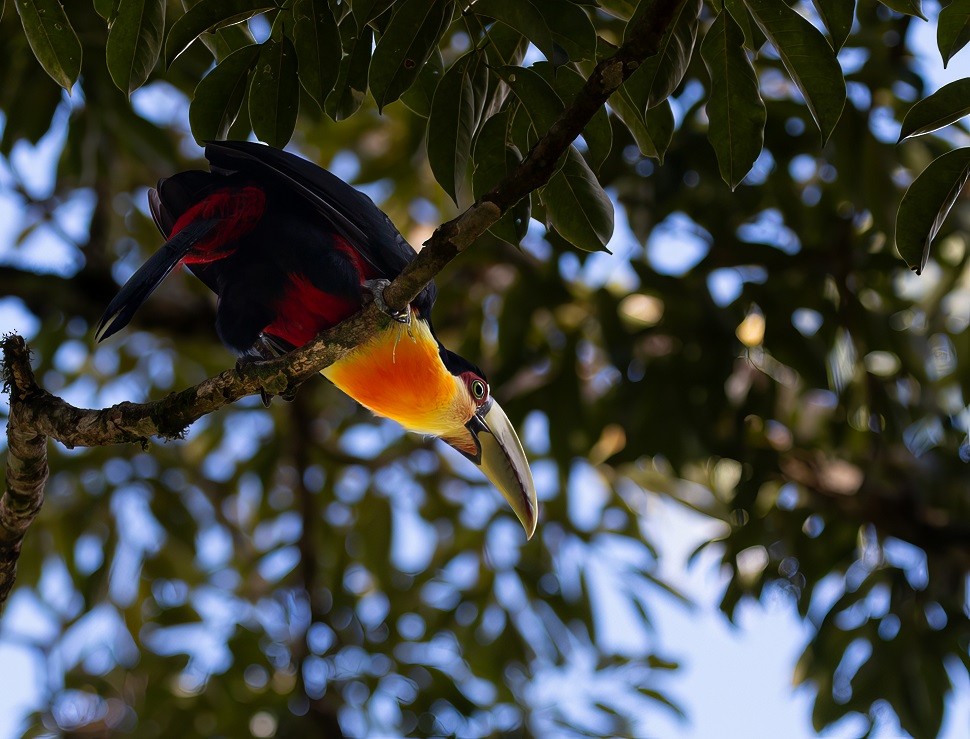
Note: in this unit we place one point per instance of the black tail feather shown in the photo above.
(148, 277)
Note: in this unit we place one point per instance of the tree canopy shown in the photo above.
(779, 341)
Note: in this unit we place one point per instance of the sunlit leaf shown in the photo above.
(735, 110)
(926, 204)
(52, 39)
(807, 57)
(134, 42)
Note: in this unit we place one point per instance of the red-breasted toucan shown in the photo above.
(288, 247)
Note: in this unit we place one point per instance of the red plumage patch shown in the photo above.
(238, 210)
(363, 268)
(305, 311)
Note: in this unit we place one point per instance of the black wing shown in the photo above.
(350, 212)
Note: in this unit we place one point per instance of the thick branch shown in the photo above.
(36, 414)
(26, 478)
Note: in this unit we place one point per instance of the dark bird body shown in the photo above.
(288, 247)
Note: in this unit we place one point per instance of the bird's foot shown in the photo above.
(376, 288)
(245, 361)
(259, 352)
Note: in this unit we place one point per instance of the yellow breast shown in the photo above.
(401, 377)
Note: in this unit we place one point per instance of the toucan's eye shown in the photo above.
(478, 389)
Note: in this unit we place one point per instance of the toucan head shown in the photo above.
(488, 439)
(430, 390)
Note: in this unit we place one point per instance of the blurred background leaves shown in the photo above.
(760, 356)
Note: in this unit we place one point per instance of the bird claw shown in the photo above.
(260, 352)
(376, 288)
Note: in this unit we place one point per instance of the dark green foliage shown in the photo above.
(134, 42)
(337, 567)
(52, 39)
(926, 204)
(953, 31)
(735, 108)
(948, 104)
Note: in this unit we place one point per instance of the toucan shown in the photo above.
(290, 249)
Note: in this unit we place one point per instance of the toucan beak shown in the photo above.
(503, 461)
(141, 284)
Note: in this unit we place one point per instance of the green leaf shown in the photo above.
(539, 100)
(106, 8)
(496, 157)
(598, 133)
(406, 44)
(526, 18)
(754, 39)
(660, 125)
(660, 74)
(906, 7)
(948, 104)
(134, 42)
(622, 9)
(837, 16)
(348, 90)
(455, 113)
(52, 39)
(223, 41)
(418, 98)
(953, 29)
(316, 39)
(208, 15)
(735, 110)
(366, 11)
(219, 95)
(571, 28)
(577, 207)
(926, 204)
(651, 138)
(807, 57)
(274, 96)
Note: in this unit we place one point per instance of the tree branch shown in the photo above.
(36, 414)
